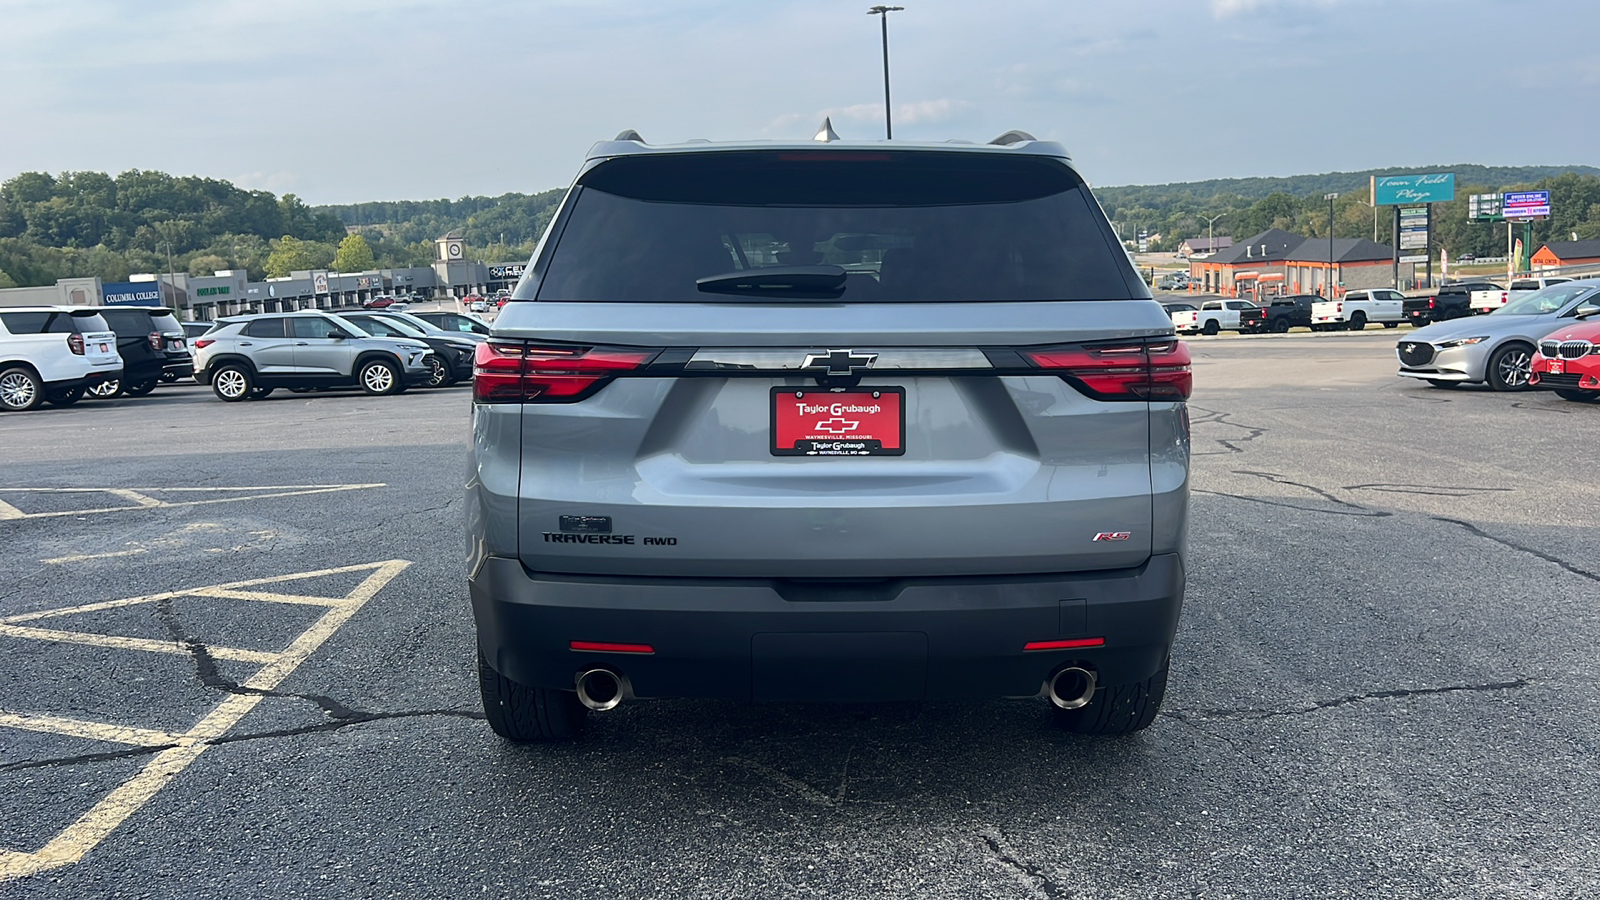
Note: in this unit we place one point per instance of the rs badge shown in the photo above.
(1113, 535)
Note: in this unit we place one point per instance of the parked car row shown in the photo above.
(1542, 339)
(60, 354)
(377, 351)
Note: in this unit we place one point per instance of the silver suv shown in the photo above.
(828, 422)
(246, 357)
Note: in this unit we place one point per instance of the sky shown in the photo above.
(339, 101)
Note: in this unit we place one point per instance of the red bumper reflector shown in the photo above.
(607, 647)
(1068, 644)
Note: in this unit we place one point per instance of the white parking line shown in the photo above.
(83, 835)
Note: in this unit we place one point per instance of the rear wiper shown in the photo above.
(797, 282)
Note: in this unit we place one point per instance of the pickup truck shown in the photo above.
(1452, 301)
(1284, 313)
(1523, 286)
(1355, 309)
(1217, 315)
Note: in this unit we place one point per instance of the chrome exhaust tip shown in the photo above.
(600, 689)
(1071, 687)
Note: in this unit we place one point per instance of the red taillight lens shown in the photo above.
(507, 372)
(75, 344)
(155, 340)
(202, 343)
(1159, 370)
(1431, 302)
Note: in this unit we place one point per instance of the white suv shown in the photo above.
(51, 353)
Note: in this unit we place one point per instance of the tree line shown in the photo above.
(76, 224)
(1250, 206)
(82, 224)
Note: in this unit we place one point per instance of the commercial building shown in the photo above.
(1204, 246)
(228, 293)
(1278, 262)
(1567, 253)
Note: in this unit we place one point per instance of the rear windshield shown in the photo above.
(53, 322)
(904, 227)
(128, 322)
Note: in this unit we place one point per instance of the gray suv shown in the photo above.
(246, 357)
(828, 422)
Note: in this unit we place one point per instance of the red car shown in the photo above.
(1568, 361)
(379, 302)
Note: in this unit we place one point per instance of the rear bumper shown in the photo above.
(97, 376)
(764, 639)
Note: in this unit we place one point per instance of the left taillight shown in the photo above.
(155, 340)
(75, 344)
(1153, 370)
(518, 372)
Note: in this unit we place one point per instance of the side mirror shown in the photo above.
(337, 335)
(1586, 311)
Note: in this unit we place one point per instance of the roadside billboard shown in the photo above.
(1526, 205)
(1435, 187)
(1485, 207)
(131, 293)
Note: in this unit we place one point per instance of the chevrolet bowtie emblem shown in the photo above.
(840, 362)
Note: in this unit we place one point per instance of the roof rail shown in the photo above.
(1012, 137)
(827, 134)
(628, 134)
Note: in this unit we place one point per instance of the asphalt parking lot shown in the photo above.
(239, 662)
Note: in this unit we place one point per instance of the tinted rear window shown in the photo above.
(53, 323)
(905, 227)
(127, 322)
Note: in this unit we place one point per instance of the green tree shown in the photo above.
(354, 255)
(288, 254)
(206, 263)
(6, 281)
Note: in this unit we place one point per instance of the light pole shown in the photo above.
(883, 11)
(1330, 198)
(172, 277)
(1211, 241)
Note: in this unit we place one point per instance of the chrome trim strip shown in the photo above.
(763, 359)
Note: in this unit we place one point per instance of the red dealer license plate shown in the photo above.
(853, 422)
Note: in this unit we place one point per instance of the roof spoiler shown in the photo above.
(628, 134)
(1012, 137)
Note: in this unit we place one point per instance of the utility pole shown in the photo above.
(172, 276)
(883, 11)
(1330, 198)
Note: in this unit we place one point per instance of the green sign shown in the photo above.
(211, 291)
(1389, 190)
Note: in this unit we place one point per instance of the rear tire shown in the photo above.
(1117, 709)
(1358, 322)
(65, 397)
(1578, 396)
(140, 388)
(1280, 327)
(1211, 327)
(107, 390)
(523, 714)
(232, 383)
(379, 377)
(20, 389)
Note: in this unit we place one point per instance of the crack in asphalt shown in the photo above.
(1349, 509)
(1320, 705)
(1216, 417)
(1513, 545)
(357, 718)
(206, 670)
(1001, 851)
(1368, 514)
(1275, 478)
(1429, 490)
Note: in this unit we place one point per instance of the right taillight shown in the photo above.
(1157, 370)
(516, 372)
(202, 343)
(75, 344)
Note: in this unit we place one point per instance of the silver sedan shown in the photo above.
(1496, 349)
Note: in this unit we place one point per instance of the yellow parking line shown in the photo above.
(142, 501)
(81, 557)
(94, 731)
(265, 597)
(131, 643)
(94, 826)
